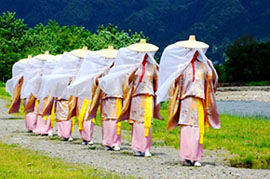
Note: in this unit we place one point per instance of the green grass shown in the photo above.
(6, 96)
(258, 83)
(16, 162)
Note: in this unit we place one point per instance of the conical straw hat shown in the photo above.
(192, 43)
(81, 53)
(58, 57)
(25, 60)
(110, 52)
(142, 46)
(45, 56)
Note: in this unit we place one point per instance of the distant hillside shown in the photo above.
(217, 22)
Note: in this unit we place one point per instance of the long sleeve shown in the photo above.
(212, 115)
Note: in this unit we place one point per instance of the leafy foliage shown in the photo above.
(218, 23)
(18, 41)
(247, 61)
(11, 32)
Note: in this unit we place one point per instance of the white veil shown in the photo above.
(174, 61)
(92, 66)
(32, 75)
(126, 61)
(56, 83)
(17, 73)
(49, 65)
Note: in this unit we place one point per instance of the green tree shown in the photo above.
(247, 60)
(18, 41)
(11, 46)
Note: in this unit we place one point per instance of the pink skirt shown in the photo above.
(43, 126)
(88, 129)
(190, 147)
(139, 141)
(30, 121)
(109, 135)
(64, 128)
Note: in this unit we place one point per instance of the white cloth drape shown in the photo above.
(174, 61)
(32, 75)
(56, 83)
(92, 66)
(17, 73)
(48, 67)
(126, 61)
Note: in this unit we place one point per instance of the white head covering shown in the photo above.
(32, 75)
(55, 84)
(174, 61)
(92, 66)
(126, 61)
(17, 73)
(48, 67)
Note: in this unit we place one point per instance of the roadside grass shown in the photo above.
(247, 138)
(6, 96)
(17, 162)
(258, 83)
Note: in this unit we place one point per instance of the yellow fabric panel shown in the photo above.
(82, 112)
(94, 120)
(201, 120)
(37, 106)
(73, 124)
(148, 113)
(52, 116)
(118, 112)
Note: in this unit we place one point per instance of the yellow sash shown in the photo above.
(37, 106)
(82, 112)
(118, 112)
(73, 124)
(201, 120)
(148, 113)
(52, 116)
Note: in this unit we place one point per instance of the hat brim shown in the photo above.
(25, 60)
(57, 57)
(80, 53)
(138, 47)
(107, 53)
(192, 44)
(44, 57)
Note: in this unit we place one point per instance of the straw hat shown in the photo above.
(45, 56)
(81, 53)
(58, 57)
(192, 43)
(142, 46)
(110, 52)
(25, 60)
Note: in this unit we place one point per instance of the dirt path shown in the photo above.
(163, 164)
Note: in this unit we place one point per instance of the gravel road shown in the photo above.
(163, 164)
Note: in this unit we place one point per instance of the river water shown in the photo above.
(244, 108)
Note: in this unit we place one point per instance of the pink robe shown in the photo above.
(43, 126)
(64, 126)
(88, 126)
(109, 128)
(194, 89)
(30, 119)
(144, 85)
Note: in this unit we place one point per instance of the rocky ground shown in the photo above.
(163, 164)
(244, 93)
